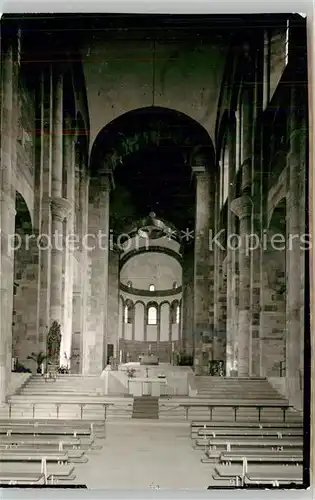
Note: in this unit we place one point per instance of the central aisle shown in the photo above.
(142, 454)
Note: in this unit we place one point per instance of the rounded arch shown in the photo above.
(126, 133)
(164, 302)
(149, 150)
(23, 219)
(129, 311)
(175, 312)
(129, 303)
(152, 313)
(140, 302)
(277, 216)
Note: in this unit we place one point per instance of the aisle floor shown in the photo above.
(142, 454)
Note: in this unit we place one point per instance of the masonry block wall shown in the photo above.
(24, 324)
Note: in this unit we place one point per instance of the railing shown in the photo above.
(58, 405)
(259, 408)
(165, 408)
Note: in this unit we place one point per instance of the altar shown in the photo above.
(147, 386)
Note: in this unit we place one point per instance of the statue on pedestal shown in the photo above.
(53, 344)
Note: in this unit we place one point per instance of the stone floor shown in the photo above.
(143, 454)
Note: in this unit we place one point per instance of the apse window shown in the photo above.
(152, 288)
(287, 33)
(174, 284)
(177, 315)
(128, 314)
(152, 315)
(129, 284)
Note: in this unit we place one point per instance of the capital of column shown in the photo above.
(199, 171)
(242, 206)
(60, 208)
(106, 178)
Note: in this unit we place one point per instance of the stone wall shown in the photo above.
(25, 147)
(184, 79)
(151, 268)
(24, 322)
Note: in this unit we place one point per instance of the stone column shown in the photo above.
(216, 293)
(257, 188)
(188, 301)
(106, 182)
(84, 204)
(60, 209)
(231, 257)
(201, 262)
(79, 285)
(59, 206)
(113, 300)
(242, 208)
(95, 336)
(294, 327)
(7, 214)
(45, 212)
(69, 247)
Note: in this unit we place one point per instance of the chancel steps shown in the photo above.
(146, 407)
(236, 388)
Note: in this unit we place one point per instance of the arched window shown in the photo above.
(174, 284)
(152, 315)
(129, 284)
(224, 175)
(152, 288)
(287, 41)
(128, 313)
(177, 315)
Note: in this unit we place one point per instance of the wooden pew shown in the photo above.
(29, 454)
(49, 470)
(283, 479)
(256, 457)
(35, 456)
(48, 445)
(92, 428)
(274, 473)
(196, 427)
(251, 432)
(53, 421)
(44, 431)
(240, 423)
(213, 456)
(26, 439)
(17, 478)
(46, 437)
(231, 444)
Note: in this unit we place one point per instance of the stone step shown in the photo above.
(146, 407)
